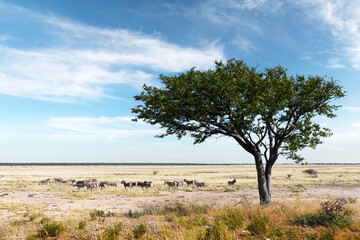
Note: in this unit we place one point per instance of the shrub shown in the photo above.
(139, 231)
(333, 214)
(132, 214)
(82, 225)
(155, 172)
(113, 232)
(333, 207)
(52, 229)
(311, 172)
(18, 222)
(97, 214)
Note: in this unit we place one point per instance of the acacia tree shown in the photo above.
(268, 113)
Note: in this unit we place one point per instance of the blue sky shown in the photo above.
(69, 69)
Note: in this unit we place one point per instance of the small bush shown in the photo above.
(113, 232)
(110, 214)
(18, 222)
(309, 219)
(333, 207)
(333, 214)
(52, 229)
(311, 172)
(139, 231)
(324, 219)
(97, 214)
(82, 225)
(132, 214)
(155, 172)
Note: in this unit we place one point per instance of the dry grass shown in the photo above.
(19, 220)
(27, 177)
(190, 222)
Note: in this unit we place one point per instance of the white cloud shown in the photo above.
(352, 109)
(114, 129)
(243, 43)
(104, 128)
(85, 61)
(342, 17)
(230, 13)
(335, 63)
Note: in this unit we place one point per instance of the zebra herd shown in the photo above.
(185, 182)
(144, 184)
(93, 184)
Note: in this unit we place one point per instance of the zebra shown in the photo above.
(232, 183)
(113, 184)
(148, 184)
(170, 184)
(46, 181)
(58, 180)
(199, 184)
(103, 184)
(79, 184)
(180, 183)
(189, 182)
(90, 185)
(129, 184)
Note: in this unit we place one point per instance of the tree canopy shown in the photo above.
(269, 113)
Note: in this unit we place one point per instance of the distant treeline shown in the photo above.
(119, 164)
(154, 164)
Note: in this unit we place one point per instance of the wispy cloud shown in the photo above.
(335, 63)
(85, 61)
(238, 19)
(235, 13)
(352, 109)
(342, 18)
(114, 129)
(104, 128)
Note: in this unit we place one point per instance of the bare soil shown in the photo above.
(56, 206)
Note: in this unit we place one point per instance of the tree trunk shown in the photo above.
(268, 177)
(263, 181)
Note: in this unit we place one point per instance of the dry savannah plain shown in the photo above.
(303, 207)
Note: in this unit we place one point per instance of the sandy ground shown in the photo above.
(53, 205)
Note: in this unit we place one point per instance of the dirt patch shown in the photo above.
(53, 205)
